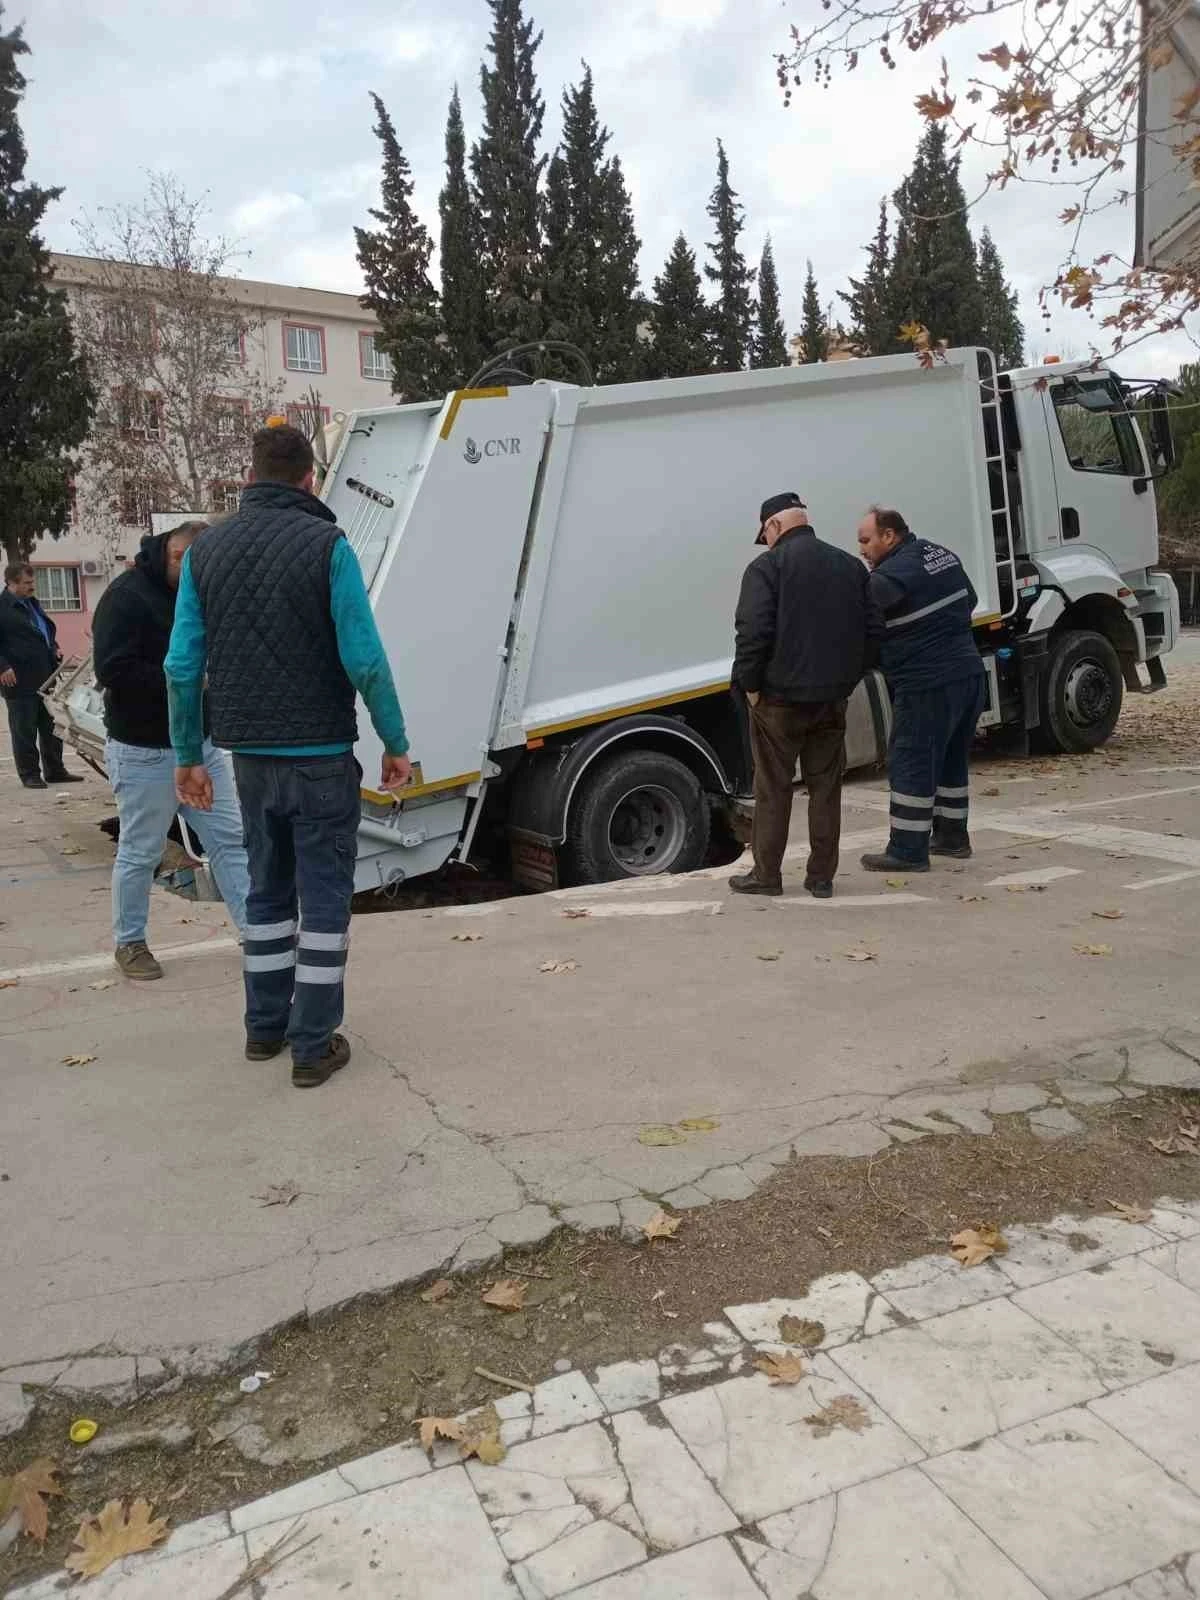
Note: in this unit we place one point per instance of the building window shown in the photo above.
(224, 497)
(307, 418)
(57, 588)
(372, 361)
(138, 500)
(129, 325)
(235, 335)
(230, 418)
(140, 413)
(303, 348)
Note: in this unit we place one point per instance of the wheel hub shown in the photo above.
(646, 830)
(1087, 693)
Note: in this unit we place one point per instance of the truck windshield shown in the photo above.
(1097, 441)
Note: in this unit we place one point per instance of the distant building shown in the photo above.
(840, 348)
(298, 340)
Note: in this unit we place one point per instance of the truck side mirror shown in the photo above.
(1162, 440)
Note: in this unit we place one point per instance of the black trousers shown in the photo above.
(31, 725)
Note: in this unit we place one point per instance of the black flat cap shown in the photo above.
(772, 507)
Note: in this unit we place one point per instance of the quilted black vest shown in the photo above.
(262, 576)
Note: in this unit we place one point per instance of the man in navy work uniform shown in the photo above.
(29, 654)
(933, 668)
(272, 601)
(802, 626)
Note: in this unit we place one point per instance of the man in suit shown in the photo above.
(29, 654)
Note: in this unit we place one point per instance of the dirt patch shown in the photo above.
(356, 1380)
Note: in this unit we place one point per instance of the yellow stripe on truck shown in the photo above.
(468, 394)
(627, 711)
(412, 790)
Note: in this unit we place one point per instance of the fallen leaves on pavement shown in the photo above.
(507, 1295)
(698, 1124)
(661, 1226)
(972, 899)
(465, 938)
(438, 1291)
(78, 1061)
(1111, 915)
(799, 1330)
(279, 1194)
(1130, 1213)
(1185, 1141)
(782, 1369)
(9, 983)
(661, 1134)
(1093, 949)
(770, 955)
(114, 1533)
(856, 953)
(973, 1246)
(103, 983)
(477, 1435)
(72, 850)
(24, 1492)
(558, 967)
(896, 883)
(575, 912)
(843, 1412)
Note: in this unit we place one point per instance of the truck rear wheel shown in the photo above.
(1081, 693)
(634, 815)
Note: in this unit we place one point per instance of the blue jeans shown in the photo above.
(932, 734)
(301, 815)
(143, 781)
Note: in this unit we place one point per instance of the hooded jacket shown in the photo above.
(130, 635)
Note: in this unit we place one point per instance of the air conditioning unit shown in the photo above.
(92, 569)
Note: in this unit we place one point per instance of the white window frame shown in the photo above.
(58, 588)
(304, 362)
(379, 367)
(225, 497)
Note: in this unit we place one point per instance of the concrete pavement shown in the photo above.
(490, 1101)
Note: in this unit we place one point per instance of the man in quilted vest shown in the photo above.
(273, 606)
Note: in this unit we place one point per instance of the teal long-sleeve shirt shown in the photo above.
(359, 647)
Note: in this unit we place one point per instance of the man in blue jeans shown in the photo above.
(273, 601)
(130, 634)
(935, 672)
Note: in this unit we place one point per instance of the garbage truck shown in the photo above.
(554, 569)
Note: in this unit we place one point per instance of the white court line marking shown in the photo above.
(654, 908)
(175, 952)
(873, 900)
(1090, 836)
(1155, 883)
(1128, 799)
(1038, 875)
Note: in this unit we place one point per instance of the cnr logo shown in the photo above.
(491, 447)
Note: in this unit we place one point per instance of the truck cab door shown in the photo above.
(1101, 474)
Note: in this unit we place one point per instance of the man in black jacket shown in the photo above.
(29, 654)
(802, 628)
(130, 635)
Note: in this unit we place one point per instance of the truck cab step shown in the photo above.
(1156, 676)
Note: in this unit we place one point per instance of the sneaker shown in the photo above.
(819, 888)
(311, 1074)
(263, 1049)
(883, 862)
(958, 850)
(34, 783)
(747, 883)
(135, 961)
(65, 777)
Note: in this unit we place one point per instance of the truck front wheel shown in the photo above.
(1081, 693)
(636, 814)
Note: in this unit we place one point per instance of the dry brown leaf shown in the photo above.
(973, 1246)
(78, 1061)
(480, 1436)
(1112, 915)
(1016, 888)
(507, 1295)
(799, 1330)
(661, 1135)
(575, 912)
(782, 1369)
(1130, 1213)
(698, 1124)
(971, 899)
(770, 955)
(24, 1492)
(72, 850)
(440, 1290)
(857, 954)
(1093, 949)
(896, 883)
(843, 1412)
(279, 1194)
(431, 1428)
(991, 793)
(1189, 1130)
(9, 983)
(465, 938)
(114, 1533)
(559, 966)
(661, 1226)
(1173, 1145)
(102, 983)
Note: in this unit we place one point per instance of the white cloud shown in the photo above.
(265, 211)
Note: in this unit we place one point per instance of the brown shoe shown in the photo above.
(747, 883)
(135, 961)
(263, 1049)
(310, 1074)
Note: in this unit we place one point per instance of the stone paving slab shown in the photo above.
(1039, 1443)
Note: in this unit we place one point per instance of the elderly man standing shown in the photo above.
(29, 654)
(802, 627)
(936, 676)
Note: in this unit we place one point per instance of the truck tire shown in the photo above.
(634, 815)
(1081, 693)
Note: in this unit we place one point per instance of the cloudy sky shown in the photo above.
(276, 128)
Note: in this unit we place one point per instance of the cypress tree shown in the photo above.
(769, 345)
(507, 170)
(873, 328)
(591, 248)
(814, 328)
(935, 276)
(46, 398)
(680, 319)
(734, 308)
(463, 313)
(1002, 330)
(394, 258)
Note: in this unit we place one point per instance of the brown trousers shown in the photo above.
(781, 735)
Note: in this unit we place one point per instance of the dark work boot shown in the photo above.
(819, 888)
(956, 845)
(34, 783)
(311, 1074)
(64, 777)
(263, 1049)
(747, 883)
(885, 862)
